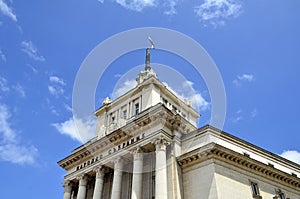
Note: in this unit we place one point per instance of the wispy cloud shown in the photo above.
(169, 6)
(19, 89)
(216, 12)
(292, 155)
(137, 5)
(237, 117)
(2, 56)
(56, 87)
(7, 11)
(3, 85)
(243, 78)
(11, 148)
(57, 80)
(31, 50)
(123, 88)
(78, 129)
(188, 93)
(253, 113)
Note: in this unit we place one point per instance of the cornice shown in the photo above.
(156, 115)
(218, 152)
(244, 144)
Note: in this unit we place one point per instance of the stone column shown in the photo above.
(83, 179)
(161, 190)
(137, 173)
(68, 189)
(99, 182)
(117, 181)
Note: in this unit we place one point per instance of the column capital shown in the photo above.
(118, 163)
(99, 170)
(137, 153)
(160, 143)
(83, 179)
(67, 184)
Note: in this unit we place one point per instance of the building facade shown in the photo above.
(148, 146)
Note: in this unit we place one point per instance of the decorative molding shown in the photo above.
(83, 179)
(215, 151)
(137, 153)
(157, 114)
(160, 144)
(100, 171)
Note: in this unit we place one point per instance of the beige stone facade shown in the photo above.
(147, 146)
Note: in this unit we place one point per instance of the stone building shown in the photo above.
(148, 146)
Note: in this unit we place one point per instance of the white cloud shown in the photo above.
(30, 49)
(172, 8)
(81, 130)
(56, 86)
(243, 78)
(19, 89)
(292, 155)
(215, 12)
(140, 5)
(55, 79)
(137, 5)
(2, 56)
(7, 11)
(187, 92)
(3, 85)
(11, 149)
(253, 113)
(126, 86)
(55, 90)
(246, 77)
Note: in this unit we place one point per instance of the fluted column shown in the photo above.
(68, 189)
(99, 182)
(137, 173)
(117, 181)
(161, 190)
(83, 179)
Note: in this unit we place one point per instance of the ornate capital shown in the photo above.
(67, 184)
(118, 163)
(100, 171)
(160, 144)
(137, 153)
(83, 179)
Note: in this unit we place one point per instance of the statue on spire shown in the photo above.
(147, 66)
(148, 70)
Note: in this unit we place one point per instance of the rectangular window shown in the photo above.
(125, 114)
(137, 108)
(255, 190)
(113, 118)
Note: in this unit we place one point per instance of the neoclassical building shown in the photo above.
(148, 146)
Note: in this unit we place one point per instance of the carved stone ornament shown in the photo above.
(83, 179)
(100, 171)
(160, 144)
(137, 153)
(67, 184)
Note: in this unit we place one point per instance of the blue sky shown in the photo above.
(255, 45)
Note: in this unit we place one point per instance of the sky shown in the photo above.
(254, 44)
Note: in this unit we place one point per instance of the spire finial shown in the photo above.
(147, 66)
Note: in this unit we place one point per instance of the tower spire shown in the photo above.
(147, 62)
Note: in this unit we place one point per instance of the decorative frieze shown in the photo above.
(215, 151)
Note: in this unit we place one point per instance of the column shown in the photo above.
(161, 190)
(68, 189)
(117, 181)
(83, 179)
(99, 182)
(137, 173)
